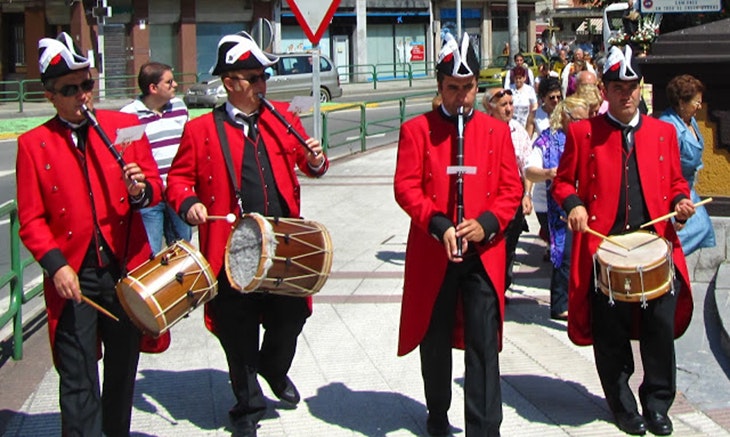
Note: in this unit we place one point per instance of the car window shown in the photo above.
(540, 60)
(529, 61)
(324, 65)
(287, 65)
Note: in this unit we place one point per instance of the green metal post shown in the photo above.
(16, 285)
(325, 134)
(363, 129)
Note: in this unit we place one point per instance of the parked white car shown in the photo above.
(291, 76)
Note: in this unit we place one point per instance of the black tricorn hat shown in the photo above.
(240, 52)
(620, 65)
(457, 61)
(58, 57)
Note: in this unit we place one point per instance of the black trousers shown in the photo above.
(237, 317)
(512, 237)
(84, 411)
(611, 327)
(482, 391)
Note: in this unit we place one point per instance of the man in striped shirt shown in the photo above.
(164, 116)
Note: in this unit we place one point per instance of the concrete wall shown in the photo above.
(703, 264)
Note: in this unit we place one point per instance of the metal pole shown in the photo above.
(514, 35)
(317, 127)
(101, 21)
(458, 20)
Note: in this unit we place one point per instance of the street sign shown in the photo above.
(313, 16)
(679, 6)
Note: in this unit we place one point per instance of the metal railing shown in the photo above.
(363, 127)
(14, 279)
(384, 72)
(125, 87)
(115, 87)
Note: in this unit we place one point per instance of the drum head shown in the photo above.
(646, 249)
(250, 246)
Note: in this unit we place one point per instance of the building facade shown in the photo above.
(124, 34)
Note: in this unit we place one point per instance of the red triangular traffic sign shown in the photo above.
(313, 16)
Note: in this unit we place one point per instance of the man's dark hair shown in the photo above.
(151, 73)
(548, 85)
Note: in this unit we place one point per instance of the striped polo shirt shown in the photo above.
(163, 130)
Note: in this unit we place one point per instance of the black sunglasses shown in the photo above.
(501, 94)
(73, 89)
(253, 79)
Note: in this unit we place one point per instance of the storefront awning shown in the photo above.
(591, 26)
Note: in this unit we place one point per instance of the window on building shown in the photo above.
(19, 44)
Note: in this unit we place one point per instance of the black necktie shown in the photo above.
(81, 133)
(627, 137)
(252, 125)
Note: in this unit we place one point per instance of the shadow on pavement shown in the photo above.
(394, 257)
(368, 412)
(158, 392)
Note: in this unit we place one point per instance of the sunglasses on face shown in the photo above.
(555, 98)
(500, 94)
(73, 89)
(253, 79)
(169, 82)
(572, 117)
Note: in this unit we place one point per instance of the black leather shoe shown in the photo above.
(438, 425)
(631, 423)
(285, 390)
(243, 428)
(658, 424)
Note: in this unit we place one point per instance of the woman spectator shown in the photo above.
(685, 97)
(543, 72)
(541, 167)
(592, 95)
(550, 95)
(525, 100)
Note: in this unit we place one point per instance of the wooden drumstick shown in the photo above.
(99, 308)
(606, 238)
(601, 236)
(672, 214)
(230, 217)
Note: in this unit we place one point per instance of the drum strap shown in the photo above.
(219, 115)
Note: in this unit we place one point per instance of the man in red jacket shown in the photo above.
(240, 158)
(451, 300)
(618, 171)
(77, 211)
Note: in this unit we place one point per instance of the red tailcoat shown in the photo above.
(199, 174)
(55, 209)
(592, 162)
(423, 189)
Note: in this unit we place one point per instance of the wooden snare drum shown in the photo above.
(285, 256)
(642, 273)
(160, 292)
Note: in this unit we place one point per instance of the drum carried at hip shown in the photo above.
(639, 271)
(160, 292)
(285, 256)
